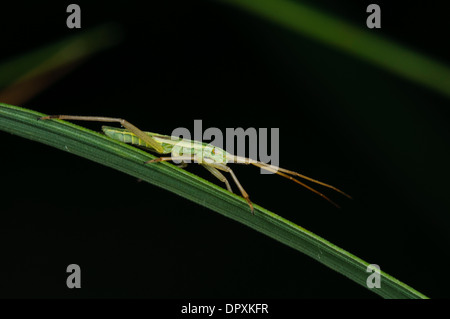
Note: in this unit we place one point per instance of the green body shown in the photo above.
(172, 144)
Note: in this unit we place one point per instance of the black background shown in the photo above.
(377, 136)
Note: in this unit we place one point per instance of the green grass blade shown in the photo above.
(358, 41)
(101, 149)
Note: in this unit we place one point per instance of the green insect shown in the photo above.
(212, 158)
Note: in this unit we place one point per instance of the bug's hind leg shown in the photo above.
(219, 176)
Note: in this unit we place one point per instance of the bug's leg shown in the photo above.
(167, 159)
(211, 169)
(182, 165)
(278, 171)
(244, 194)
(171, 158)
(219, 176)
(146, 138)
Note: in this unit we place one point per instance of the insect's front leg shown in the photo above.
(171, 158)
(146, 138)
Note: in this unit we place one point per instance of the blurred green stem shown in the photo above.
(22, 77)
(359, 41)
